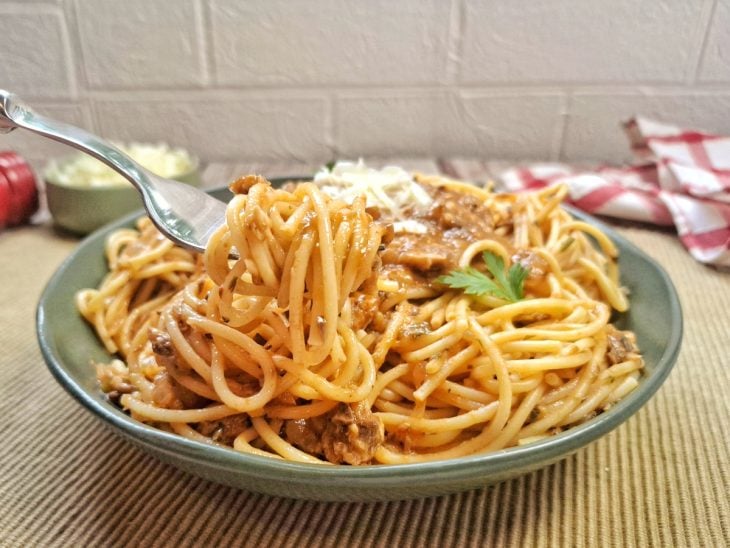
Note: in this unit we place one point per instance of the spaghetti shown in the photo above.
(318, 329)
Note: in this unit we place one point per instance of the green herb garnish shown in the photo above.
(330, 165)
(508, 286)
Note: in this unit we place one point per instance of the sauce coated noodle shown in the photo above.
(329, 339)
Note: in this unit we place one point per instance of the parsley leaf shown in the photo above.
(472, 282)
(517, 275)
(508, 285)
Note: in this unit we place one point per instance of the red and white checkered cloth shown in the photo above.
(682, 179)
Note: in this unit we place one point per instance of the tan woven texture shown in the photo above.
(661, 479)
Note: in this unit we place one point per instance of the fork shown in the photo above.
(186, 215)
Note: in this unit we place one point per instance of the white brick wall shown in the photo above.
(308, 81)
(716, 63)
(329, 42)
(137, 44)
(39, 71)
(268, 126)
(617, 41)
(519, 124)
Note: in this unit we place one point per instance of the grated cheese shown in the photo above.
(410, 225)
(390, 188)
(81, 170)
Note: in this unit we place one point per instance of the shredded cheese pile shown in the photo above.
(81, 170)
(391, 189)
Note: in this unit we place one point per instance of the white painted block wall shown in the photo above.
(314, 80)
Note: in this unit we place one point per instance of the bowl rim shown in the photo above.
(461, 468)
(195, 163)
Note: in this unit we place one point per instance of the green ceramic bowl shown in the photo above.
(68, 344)
(82, 210)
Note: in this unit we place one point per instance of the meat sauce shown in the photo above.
(452, 222)
(621, 345)
(348, 434)
(351, 433)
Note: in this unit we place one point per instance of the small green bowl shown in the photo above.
(68, 345)
(84, 209)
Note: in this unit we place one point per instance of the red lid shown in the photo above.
(5, 197)
(22, 199)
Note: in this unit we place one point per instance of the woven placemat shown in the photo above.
(661, 479)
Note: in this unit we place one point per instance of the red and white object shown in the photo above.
(18, 190)
(682, 179)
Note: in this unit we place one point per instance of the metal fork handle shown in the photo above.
(15, 114)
